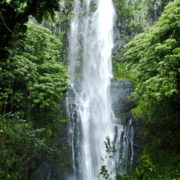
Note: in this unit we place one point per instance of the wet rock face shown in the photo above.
(120, 91)
(124, 134)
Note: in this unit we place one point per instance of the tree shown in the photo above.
(32, 82)
(14, 14)
(153, 58)
(33, 75)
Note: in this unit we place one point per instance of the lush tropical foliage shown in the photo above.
(133, 16)
(32, 82)
(152, 61)
(15, 13)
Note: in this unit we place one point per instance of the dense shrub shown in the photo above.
(152, 62)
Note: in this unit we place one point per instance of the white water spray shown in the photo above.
(89, 101)
(91, 43)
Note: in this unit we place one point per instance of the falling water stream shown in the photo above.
(89, 101)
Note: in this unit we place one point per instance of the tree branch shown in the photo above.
(5, 23)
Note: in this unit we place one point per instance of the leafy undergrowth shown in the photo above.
(20, 145)
(148, 171)
(152, 61)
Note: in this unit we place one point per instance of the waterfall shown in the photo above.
(89, 101)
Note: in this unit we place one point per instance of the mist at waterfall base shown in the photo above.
(89, 102)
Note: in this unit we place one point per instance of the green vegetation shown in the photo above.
(14, 14)
(60, 25)
(133, 16)
(33, 75)
(32, 81)
(33, 84)
(20, 143)
(152, 60)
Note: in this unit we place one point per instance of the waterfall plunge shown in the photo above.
(90, 70)
(91, 43)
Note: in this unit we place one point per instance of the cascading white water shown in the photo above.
(89, 101)
(91, 43)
